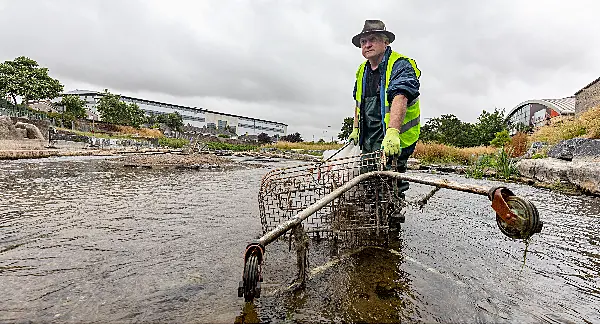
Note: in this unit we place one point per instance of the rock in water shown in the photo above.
(7, 129)
(32, 131)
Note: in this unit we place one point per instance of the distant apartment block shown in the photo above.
(193, 116)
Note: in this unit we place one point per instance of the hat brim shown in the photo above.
(356, 39)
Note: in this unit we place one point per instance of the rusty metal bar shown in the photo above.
(301, 216)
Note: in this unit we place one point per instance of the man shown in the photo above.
(386, 91)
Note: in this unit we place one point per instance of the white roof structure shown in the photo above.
(563, 106)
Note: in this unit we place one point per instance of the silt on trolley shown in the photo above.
(354, 202)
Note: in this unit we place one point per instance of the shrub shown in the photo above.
(518, 144)
(172, 142)
(505, 165)
(502, 138)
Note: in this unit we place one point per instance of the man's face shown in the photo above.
(372, 45)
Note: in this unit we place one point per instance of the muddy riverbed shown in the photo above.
(84, 242)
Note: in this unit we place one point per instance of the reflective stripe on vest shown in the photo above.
(411, 126)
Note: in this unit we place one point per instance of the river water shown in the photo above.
(83, 242)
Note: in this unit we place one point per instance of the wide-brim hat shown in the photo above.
(373, 26)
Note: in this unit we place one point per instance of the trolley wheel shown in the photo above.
(251, 279)
(529, 220)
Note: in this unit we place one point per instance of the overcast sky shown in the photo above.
(293, 61)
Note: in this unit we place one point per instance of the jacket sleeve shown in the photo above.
(354, 92)
(403, 81)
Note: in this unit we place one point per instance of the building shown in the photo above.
(588, 97)
(537, 112)
(193, 116)
(44, 106)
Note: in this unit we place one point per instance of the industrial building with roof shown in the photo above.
(538, 111)
(192, 116)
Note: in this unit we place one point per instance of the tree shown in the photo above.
(264, 138)
(346, 128)
(488, 124)
(448, 129)
(113, 110)
(295, 137)
(25, 78)
(73, 106)
(174, 121)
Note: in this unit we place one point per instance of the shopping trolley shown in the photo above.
(354, 201)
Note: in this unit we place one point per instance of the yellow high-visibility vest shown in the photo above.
(411, 126)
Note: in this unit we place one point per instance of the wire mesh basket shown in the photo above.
(361, 216)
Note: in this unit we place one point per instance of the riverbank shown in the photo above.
(566, 177)
(195, 161)
(12, 154)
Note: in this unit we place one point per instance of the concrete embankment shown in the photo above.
(580, 173)
(573, 162)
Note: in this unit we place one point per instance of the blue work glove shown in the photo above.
(354, 136)
(391, 142)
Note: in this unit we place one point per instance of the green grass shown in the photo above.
(229, 146)
(501, 163)
(99, 135)
(173, 142)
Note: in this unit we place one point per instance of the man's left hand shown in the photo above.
(391, 142)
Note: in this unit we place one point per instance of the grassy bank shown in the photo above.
(124, 132)
(435, 153)
(586, 125)
(480, 161)
(229, 146)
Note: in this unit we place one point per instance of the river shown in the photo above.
(83, 242)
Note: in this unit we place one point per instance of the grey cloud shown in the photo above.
(293, 61)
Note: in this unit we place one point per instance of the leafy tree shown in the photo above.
(172, 120)
(346, 128)
(73, 106)
(488, 124)
(113, 110)
(24, 77)
(264, 138)
(152, 119)
(295, 137)
(448, 129)
(501, 139)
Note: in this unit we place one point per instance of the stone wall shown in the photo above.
(588, 98)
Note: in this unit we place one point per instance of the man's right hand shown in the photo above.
(354, 136)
